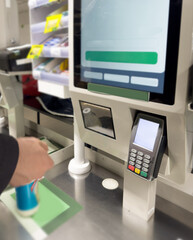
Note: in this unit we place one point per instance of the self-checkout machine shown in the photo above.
(129, 66)
(11, 90)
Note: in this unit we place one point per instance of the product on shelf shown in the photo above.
(64, 43)
(55, 40)
(38, 3)
(47, 65)
(56, 19)
(61, 68)
(62, 10)
(53, 65)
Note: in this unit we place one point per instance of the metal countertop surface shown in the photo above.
(102, 216)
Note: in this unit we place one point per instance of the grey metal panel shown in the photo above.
(63, 127)
(30, 114)
(102, 216)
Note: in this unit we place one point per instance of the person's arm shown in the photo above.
(9, 152)
(22, 160)
(33, 161)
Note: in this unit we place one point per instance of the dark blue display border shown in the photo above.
(159, 76)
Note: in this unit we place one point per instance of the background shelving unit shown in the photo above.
(48, 82)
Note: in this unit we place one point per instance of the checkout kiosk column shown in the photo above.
(78, 165)
(146, 149)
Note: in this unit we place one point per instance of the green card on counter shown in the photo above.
(55, 207)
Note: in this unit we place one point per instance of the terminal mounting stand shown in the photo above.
(78, 165)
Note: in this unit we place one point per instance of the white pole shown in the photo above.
(78, 165)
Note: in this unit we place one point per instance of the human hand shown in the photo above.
(33, 161)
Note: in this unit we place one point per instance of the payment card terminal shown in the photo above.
(147, 145)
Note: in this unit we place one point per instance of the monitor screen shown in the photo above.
(124, 43)
(128, 44)
(146, 134)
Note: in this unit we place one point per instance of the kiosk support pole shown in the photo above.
(78, 165)
(139, 195)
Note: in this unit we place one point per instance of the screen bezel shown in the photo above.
(168, 97)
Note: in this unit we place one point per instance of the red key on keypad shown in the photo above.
(131, 167)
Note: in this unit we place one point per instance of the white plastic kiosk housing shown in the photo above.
(128, 57)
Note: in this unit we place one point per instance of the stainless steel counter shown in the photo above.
(102, 217)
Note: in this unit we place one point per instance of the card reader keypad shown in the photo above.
(139, 162)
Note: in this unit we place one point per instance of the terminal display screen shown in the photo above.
(124, 43)
(128, 44)
(146, 134)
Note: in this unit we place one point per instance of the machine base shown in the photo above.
(79, 168)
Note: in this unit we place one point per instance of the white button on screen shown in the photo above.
(116, 78)
(151, 82)
(94, 75)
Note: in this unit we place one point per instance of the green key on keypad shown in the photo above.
(143, 174)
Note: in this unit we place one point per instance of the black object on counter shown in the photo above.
(15, 60)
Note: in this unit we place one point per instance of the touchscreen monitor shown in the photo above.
(123, 43)
(128, 44)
